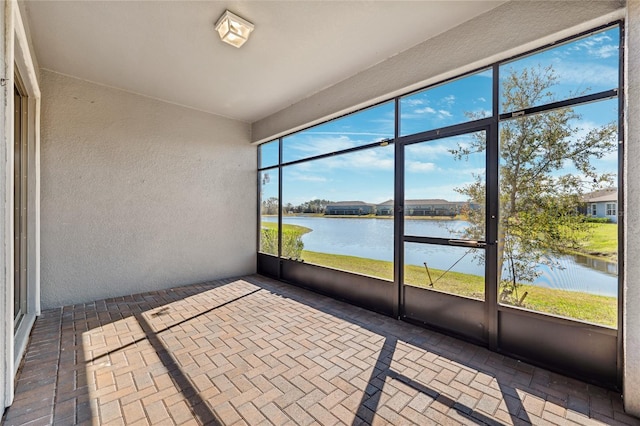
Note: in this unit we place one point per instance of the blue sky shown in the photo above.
(587, 65)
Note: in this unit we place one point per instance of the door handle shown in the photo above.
(467, 243)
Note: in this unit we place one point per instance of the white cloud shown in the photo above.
(304, 172)
(314, 146)
(611, 158)
(425, 110)
(371, 159)
(599, 46)
(318, 143)
(374, 159)
(584, 127)
(449, 100)
(420, 167)
(412, 102)
(440, 114)
(309, 178)
(428, 150)
(469, 171)
(602, 37)
(584, 76)
(444, 191)
(604, 52)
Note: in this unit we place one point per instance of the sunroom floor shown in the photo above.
(256, 351)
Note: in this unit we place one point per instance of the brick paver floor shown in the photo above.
(255, 351)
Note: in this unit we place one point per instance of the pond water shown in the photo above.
(373, 239)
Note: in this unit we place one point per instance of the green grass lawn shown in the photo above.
(602, 240)
(287, 227)
(602, 310)
(581, 306)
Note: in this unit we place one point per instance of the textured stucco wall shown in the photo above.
(509, 29)
(631, 322)
(139, 194)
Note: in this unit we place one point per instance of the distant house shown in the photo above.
(433, 207)
(427, 207)
(602, 203)
(385, 209)
(349, 208)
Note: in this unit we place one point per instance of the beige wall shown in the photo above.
(139, 194)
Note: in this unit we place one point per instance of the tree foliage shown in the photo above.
(312, 206)
(546, 166)
(317, 206)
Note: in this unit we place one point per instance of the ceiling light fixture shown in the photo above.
(233, 29)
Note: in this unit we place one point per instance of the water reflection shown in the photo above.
(373, 239)
(597, 264)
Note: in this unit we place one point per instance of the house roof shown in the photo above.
(422, 202)
(602, 195)
(604, 198)
(169, 50)
(426, 201)
(349, 203)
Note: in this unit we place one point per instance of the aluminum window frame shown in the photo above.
(495, 309)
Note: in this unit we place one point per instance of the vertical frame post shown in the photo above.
(621, 206)
(279, 208)
(492, 215)
(398, 219)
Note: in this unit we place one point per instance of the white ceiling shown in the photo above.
(169, 49)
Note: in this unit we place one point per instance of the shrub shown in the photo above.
(269, 241)
(591, 219)
(292, 244)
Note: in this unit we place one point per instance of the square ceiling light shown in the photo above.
(233, 29)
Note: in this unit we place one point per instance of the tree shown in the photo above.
(539, 199)
(270, 206)
(312, 206)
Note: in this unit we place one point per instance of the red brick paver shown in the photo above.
(255, 351)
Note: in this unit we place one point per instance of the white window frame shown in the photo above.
(594, 209)
(611, 209)
(16, 54)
